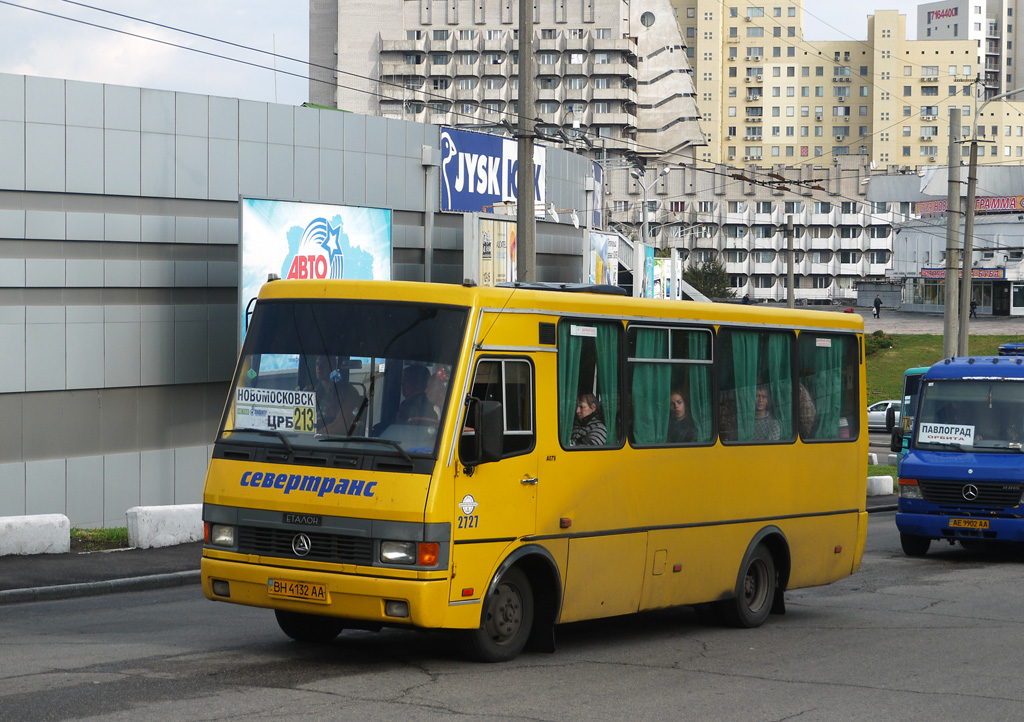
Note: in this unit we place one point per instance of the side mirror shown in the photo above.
(483, 436)
(896, 441)
(890, 418)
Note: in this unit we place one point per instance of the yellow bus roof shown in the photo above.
(561, 302)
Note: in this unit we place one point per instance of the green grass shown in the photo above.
(885, 367)
(94, 539)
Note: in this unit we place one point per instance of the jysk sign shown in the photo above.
(479, 170)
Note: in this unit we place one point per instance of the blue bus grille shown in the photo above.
(323, 547)
(990, 493)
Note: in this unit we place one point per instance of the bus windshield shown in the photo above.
(345, 375)
(984, 415)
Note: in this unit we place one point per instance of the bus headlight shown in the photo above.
(424, 554)
(221, 535)
(909, 489)
(398, 552)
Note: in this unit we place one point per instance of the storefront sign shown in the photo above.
(479, 171)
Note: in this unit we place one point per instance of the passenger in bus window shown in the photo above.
(437, 389)
(337, 399)
(417, 407)
(766, 426)
(681, 429)
(589, 428)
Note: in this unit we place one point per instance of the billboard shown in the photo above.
(479, 170)
(604, 259)
(496, 251)
(309, 241)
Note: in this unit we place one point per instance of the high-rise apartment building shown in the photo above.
(991, 24)
(616, 73)
(769, 96)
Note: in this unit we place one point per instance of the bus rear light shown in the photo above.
(909, 489)
(467, 592)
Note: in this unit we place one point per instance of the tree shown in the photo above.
(710, 278)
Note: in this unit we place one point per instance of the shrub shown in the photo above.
(876, 342)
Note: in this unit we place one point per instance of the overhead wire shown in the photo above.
(277, 56)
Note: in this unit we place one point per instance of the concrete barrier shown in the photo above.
(879, 485)
(164, 526)
(872, 459)
(35, 534)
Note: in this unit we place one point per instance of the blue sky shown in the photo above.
(32, 43)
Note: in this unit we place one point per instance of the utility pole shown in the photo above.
(790, 292)
(972, 181)
(965, 288)
(526, 224)
(950, 340)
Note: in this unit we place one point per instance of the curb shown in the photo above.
(89, 589)
(887, 507)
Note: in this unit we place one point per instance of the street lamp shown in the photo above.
(639, 175)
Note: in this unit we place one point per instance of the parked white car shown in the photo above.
(876, 414)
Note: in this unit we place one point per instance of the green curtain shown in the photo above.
(569, 348)
(700, 387)
(608, 377)
(780, 378)
(744, 360)
(829, 393)
(652, 386)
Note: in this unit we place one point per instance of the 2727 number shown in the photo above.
(469, 522)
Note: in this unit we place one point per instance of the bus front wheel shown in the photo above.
(310, 628)
(755, 591)
(914, 546)
(506, 621)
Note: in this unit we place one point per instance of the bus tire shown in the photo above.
(913, 545)
(755, 591)
(309, 628)
(506, 620)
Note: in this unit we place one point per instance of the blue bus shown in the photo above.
(963, 473)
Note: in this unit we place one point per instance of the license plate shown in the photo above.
(291, 589)
(969, 523)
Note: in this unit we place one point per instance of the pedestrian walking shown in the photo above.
(878, 306)
(974, 309)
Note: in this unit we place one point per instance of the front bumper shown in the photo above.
(936, 526)
(350, 596)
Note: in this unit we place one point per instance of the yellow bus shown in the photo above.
(499, 461)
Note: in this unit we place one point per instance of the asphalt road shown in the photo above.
(909, 639)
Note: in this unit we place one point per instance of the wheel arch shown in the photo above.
(541, 570)
(775, 541)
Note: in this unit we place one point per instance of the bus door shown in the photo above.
(496, 501)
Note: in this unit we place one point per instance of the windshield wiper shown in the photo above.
(388, 442)
(270, 432)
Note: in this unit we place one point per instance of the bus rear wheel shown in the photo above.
(506, 621)
(755, 591)
(310, 628)
(913, 545)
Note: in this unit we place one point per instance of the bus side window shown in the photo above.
(588, 376)
(509, 382)
(669, 385)
(829, 373)
(755, 401)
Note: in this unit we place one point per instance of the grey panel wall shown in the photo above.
(119, 268)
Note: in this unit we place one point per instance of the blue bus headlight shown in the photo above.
(909, 489)
(398, 552)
